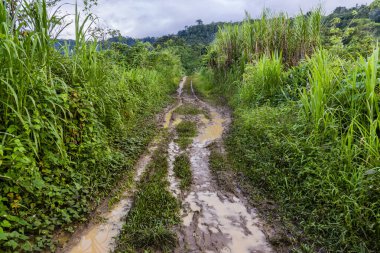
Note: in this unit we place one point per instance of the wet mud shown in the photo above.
(213, 221)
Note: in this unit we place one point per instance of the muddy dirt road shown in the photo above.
(212, 220)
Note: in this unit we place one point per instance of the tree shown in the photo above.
(199, 21)
(375, 15)
(375, 5)
(375, 11)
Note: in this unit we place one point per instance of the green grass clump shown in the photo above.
(218, 161)
(189, 109)
(149, 225)
(182, 170)
(186, 131)
(262, 81)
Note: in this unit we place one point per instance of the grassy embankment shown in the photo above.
(306, 128)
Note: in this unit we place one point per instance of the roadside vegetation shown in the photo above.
(149, 225)
(189, 109)
(186, 131)
(72, 122)
(182, 170)
(218, 162)
(306, 125)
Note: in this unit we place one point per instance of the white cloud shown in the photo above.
(140, 18)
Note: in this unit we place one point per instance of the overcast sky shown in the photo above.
(141, 18)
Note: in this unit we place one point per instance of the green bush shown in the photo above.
(262, 81)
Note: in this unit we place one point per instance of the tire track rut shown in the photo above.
(214, 221)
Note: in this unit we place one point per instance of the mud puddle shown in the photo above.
(214, 221)
(169, 115)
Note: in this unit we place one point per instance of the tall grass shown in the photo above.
(294, 38)
(356, 113)
(261, 81)
(372, 136)
(70, 122)
(236, 45)
(322, 84)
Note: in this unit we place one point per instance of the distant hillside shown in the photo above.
(200, 33)
(196, 34)
(354, 29)
(62, 42)
(124, 40)
(131, 41)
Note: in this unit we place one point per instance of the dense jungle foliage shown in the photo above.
(352, 30)
(75, 116)
(72, 122)
(348, 31)
(191, 44)
(306, 133)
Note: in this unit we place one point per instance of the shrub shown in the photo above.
(262, 81)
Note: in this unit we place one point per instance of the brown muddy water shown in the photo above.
(169, 115)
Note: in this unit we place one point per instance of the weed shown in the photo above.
(186, 131)
(182, 170)
(189, 109)
(217, 161)
(154, 213)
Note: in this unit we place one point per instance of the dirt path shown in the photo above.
(213, 221)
